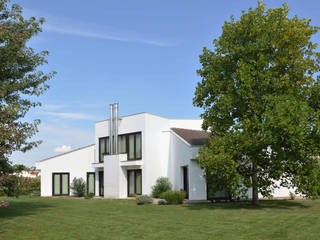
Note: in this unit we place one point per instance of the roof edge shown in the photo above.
(61, 154)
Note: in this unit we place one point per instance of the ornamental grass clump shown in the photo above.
(144, 199)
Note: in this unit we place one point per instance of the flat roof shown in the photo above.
(151, 114)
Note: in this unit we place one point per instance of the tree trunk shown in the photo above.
(255, 199)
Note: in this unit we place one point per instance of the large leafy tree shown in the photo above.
(261, 98)
(20, 80)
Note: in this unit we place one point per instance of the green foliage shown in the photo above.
(162, 185)
(14, 186)
(89, 196)
(143, 199)
(78, 186)
(20, 81)
(174, 197)
(261, 99)
(18, 168)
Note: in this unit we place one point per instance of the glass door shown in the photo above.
(185, 181)
(90, 183)
(60, 184)
(134, 182)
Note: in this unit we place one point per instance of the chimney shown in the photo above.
(113, 128)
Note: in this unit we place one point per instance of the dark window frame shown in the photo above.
(101, 177)
(60, 173)
(127, 146)
(94, 182)
(135, 183)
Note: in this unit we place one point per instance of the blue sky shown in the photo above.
(143, 54)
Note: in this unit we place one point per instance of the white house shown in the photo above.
(144, 147)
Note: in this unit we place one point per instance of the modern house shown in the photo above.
(144, 147)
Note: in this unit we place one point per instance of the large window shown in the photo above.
(103, 147)
(60, 184)
(91, 182)
(127, 143)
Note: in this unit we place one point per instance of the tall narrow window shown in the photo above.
(91, 182)
(60, 182)
(134, 182)
(131, 146)
(138, 145)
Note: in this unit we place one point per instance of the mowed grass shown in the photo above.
(61, 218)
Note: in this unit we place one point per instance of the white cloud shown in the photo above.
(71, 115)
(68, 26)
(62, 149)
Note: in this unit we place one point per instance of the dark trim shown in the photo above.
(135, 183)
(94, 182)
(127, 146)
(101, 177)
(185, 171)
(60, 173)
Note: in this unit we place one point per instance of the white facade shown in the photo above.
(164, 153)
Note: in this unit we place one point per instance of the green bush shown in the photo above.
(162, 185)
(174, 197)
(78, 187)
(89, 196)
(14, 186)
(144, 199)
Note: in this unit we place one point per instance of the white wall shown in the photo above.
(77, 163)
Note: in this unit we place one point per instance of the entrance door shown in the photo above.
(185, 181)
(134, 182)
(101, 184)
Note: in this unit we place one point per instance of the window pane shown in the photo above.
(65, 184)
(131, 183)
(56, 184)
(131, 146)
(90, 183)
(107, 145)
(138, 145)
(138, 182)
(122, 144)
(101, 149)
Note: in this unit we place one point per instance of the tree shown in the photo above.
(261, 99)
(20, 81)
(18, 168)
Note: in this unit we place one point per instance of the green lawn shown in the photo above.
(48, 218)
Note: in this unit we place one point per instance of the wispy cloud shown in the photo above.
(62, 149)
(70, 115)
(68, 26)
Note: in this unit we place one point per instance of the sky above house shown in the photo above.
(142, 54)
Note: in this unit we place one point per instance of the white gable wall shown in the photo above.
(77, 163)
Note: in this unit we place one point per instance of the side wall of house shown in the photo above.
(76, 163)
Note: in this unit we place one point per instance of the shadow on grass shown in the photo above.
(21, 207)
(263, 204)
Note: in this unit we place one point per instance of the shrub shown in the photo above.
(162, 202)
(174, 197)
(162, 185)
(144, 199)
(292, 196)
(4, 204)
(78, 186)
(89, 196)
(11, 185)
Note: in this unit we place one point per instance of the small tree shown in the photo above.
(261, 98)
(78, 186)
(162, 185)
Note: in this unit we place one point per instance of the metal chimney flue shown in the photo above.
(113, 128)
